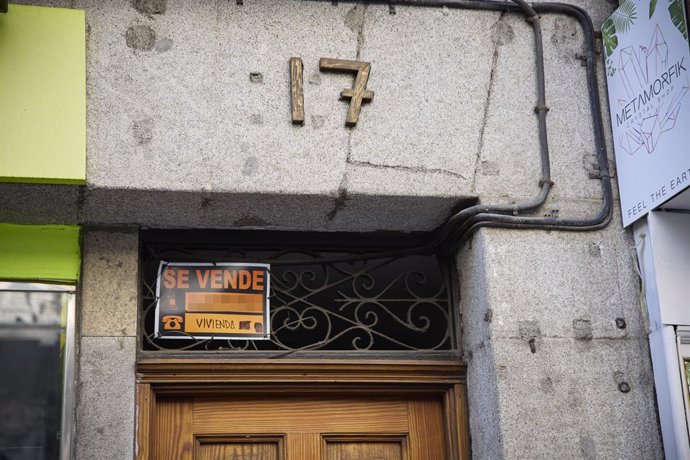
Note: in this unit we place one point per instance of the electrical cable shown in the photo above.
(459, 227)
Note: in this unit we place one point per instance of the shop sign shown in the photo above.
(647, 63)
(212, 300)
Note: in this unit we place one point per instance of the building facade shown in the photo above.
(190, 138)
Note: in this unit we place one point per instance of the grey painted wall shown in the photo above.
(181, 135)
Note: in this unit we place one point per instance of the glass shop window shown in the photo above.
(36, 370)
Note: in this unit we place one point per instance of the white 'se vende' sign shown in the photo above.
(648, 74)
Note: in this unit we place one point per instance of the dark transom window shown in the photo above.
(319, 301)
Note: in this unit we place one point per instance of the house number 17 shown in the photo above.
(357, 94)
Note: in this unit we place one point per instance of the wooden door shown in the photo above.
(300, 427)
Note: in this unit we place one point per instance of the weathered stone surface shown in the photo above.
(539, 332)
(109, 283)
(565, 398)
(428, 95)
(482, 381)
(307, 159)
(206, 110)
(150, 6)
(361, 213)
(510, 131)
(208, 116)
(567, 277)
(39, 204)
(48, 3)
(105, 407)
(508, 136)
(177, 209)
(140, 37)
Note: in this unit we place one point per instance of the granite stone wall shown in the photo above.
(189, 126)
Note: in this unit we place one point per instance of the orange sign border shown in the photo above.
(182, 335)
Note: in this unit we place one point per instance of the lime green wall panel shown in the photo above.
(40, 252)
(42, 95)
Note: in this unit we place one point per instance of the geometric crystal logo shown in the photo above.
(637, 66)
(637, 63)
(632, 140)
(651, 131)
(668, 121)
(648, 132)
(632, 68)
(657, 54)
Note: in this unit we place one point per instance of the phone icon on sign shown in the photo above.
(172, 322)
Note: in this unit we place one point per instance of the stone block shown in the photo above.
(333, 212)
(258, 147)
(181, 209)
(105, 410)
(482, 382)
(110, 283)
(539, 316)
(555, 278)
(39, 204)
(150, 91)
(367, 213)
(510, 133)
(430, 72)
(565, 398)
(486, 428)
(188, 110)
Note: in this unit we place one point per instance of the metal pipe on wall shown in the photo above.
(459, 227)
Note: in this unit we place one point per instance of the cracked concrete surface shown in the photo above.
(427, 92)
(498, 41)
(416, 169)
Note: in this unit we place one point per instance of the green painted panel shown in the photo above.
(40, 252)
(42, 95)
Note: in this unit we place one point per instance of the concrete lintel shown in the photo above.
(343, 210)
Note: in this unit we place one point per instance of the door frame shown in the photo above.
(204, 377)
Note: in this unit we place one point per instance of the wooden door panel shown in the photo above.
(427, 429)
(246, 448)
(173, 427)
(303, 446)
(364, 448)
(319, 427)
(300, 414)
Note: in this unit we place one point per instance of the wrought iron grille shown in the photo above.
(402, 303)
